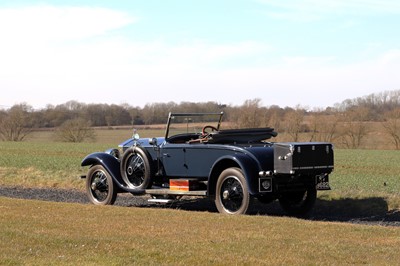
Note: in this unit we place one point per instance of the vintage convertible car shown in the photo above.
(197, 158)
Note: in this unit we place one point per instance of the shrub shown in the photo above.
(75, 130)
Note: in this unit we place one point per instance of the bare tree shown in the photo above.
(75, 130)
(294, 123)
(355, 127)
(324, 127)
(273, 117)
(134, 114)
(249, 115)
(15, 124)
(392, 126)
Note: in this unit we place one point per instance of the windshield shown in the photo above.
(191, 123)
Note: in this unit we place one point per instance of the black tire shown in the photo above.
(100, 186)
(232, 194)
(299, 204)
(135, 169)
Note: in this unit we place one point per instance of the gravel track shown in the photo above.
(324, 210)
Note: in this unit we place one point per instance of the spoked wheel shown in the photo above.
(100, 187)
(135, 169)
(232, 196)
(299, 204)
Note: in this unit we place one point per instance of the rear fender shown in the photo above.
(249, 166)
(112, 166)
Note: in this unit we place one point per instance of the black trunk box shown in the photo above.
(303, 158)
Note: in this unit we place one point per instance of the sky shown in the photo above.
(312, 53)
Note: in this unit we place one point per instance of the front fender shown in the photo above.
(112, 166)
(109, 162)
(248, 164)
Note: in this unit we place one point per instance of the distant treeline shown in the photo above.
(376, 107)
(343, 123)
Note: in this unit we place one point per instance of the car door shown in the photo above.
(200, 158)
(173, 159)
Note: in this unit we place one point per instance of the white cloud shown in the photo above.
(314, 82)
(38, 35)
(53, 24)
(50, 56)
(44, 48)
(50, 34)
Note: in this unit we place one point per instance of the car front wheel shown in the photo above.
(232, 195)
(100, 187)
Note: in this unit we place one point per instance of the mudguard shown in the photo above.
(112, 166)
(245, 161)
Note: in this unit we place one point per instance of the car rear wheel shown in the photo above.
(232, 195)
(100, 187)
(299, 204)
(136, 169)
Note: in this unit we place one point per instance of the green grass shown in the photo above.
(361, 174)
(36, 164)
(47, 233)
(364, 182)
(367, 171)
(357, 174)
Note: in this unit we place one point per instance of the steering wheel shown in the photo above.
(205, 133)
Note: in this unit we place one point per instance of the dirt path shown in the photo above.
(324, 211)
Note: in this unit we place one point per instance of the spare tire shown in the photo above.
(136, 169)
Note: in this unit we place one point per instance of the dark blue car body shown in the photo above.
(230, 166)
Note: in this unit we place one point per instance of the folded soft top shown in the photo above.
(246, 135)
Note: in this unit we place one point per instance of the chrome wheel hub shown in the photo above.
(225, 195)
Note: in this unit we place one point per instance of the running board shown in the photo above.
(176, 192)
(161, 200)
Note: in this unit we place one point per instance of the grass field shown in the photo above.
(41, 162)
(44, 233)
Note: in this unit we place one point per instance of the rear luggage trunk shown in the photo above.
(303, 158)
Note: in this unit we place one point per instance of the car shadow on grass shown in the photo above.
(372, 210)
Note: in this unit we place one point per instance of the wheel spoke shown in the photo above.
(231, 194)
(99, 186)
(137, 170)
(137, 164)
(102, 182)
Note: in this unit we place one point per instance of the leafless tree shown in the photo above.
(273, 117)
(392, 126)
(355, 127)
(75, 130)
(324, 127)
(249, 115)
(294, 122)
(15, 124)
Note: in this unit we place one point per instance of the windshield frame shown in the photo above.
(189, 116)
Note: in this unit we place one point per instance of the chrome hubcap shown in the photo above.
(225, 195)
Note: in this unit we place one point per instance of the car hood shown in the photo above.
(140, 142)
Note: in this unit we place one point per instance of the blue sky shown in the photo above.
(287, 53)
